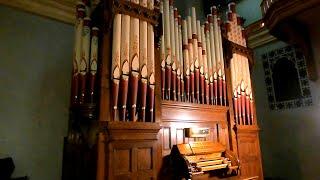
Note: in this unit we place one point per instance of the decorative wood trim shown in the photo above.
(232, 48)
(136, 10)
(182, 112)
(130, 130)
(258, 35)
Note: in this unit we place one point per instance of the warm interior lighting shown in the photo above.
(262, 24)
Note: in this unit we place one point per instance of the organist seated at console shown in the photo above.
(203, 158)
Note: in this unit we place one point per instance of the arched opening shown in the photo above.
(285, 80)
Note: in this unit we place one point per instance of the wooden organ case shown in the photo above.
(146, 81)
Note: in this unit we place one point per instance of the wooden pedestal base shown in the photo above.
(249, 152)
(131, 150)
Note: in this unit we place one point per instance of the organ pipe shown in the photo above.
(205, 65)
(214, 60)
(116, 62)
(151, 64)
(211, 79)
(134, 57)
(186, 59)
(163, 54)
(125, 65)
(77, 56)
(200, 57)
(177, 49)
(181, 59)
(195, 55)
(85, 54)
(143, 53)
(93, 63)
(192, 63)
(173, 53)
(241, 81)
(166, 14)
(191, 58)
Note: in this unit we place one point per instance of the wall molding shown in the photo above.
(258, 35)
(61, 10)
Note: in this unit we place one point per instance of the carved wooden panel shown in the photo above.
(145, 159)
(131, 150)
(249, 153)
(133, 160)
(122, 161)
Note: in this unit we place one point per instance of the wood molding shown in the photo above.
(61, 10)
(173, 111)
(258, 35)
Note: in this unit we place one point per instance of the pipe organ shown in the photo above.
(189, 60)
(144, 77)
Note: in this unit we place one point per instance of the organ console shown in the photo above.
(199, 158)
(144, 78)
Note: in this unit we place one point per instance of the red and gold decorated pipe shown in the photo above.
(124, 83)
(167, 41)
(201, 66)
(197, 85)
(212, 93)
(77, 56)
(195, 55)
(251, 110)
(151, 69)
(163, 55)
(205, 65)
(182, 88)
(173, 83)
(143, 99)
(239, 106)
(134, 57)
(248, 110)
(143, 62)
(173, 52)
(220, 91)
(191, 59)
(207, 92)
(178, 60)
(216, 89)
(178, 87)
(116, 63)
(224, 92)
(186, 67)
(168, 77)
(163, 80)
(133, 83)
(243, 107)
(125, 65)
(181, 58)
(235, 105)
(84, 64)
(151, 102)
(93, 64)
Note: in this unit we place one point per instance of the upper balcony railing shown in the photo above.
(265, 5)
